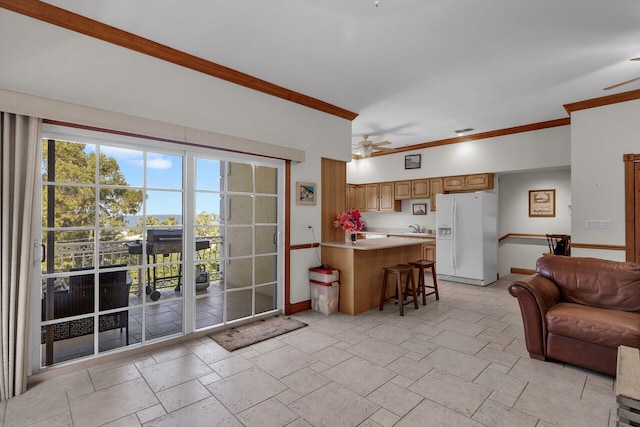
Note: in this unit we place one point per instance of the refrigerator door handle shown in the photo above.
(454, 249)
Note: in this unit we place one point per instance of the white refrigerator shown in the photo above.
(466, 237)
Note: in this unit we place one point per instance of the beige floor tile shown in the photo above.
(557, 407)
(429, 413)
(174, 372)
(379, 352)
(493, 414)
(382, 418)
(409, 368)
(305, 381)
(460, 342)
(231, 365)
(499, 381)
(128, 421)
(119, 375)
(332, 355)
(334, 406)
(395, 399)
(359, 375)
(246, 389)
(309, 341)
(205, 412)
(391, 334)
(270, 413)
(151, 413)
(456, 363)
(466, 328)
(453, 392)
(498, 356)
(283, 361)
(182, 395)
(551, 375)
(112, 403)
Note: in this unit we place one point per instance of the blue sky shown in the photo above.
(164, 171)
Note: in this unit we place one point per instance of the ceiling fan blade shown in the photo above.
(621, 84)
(382, 148)
(377, 144)
(635, 59)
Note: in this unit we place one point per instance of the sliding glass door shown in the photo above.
(144, 241)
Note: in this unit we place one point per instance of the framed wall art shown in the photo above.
(306, 193)
(412, 161)
(542, 203)
(419, 208)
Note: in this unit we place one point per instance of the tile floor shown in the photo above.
(460, 361)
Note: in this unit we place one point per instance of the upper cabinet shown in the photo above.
(415, 189)
(380, 197)
(356, 197)
(437, 187)
(480, 181)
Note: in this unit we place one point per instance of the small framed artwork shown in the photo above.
(542, 203)
(306, 193)
(419, 208)
(412, 161)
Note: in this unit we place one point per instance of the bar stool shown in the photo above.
(421, 265)
(398, 271)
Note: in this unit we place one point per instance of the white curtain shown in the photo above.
(19, 177)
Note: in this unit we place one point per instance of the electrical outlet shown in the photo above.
(303, 225)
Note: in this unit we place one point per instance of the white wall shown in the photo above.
(599, 138)
(51, 62)
(513, 216)
(546, 148)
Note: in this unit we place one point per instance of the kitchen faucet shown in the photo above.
(415, 227)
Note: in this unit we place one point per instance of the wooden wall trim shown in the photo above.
(304, 246)
(287, 236)
(298, 307)
(602, 101)
(632, 221)
(481, 135)
(508, 235)
(597, 246)
(527, 271)
(80, 24)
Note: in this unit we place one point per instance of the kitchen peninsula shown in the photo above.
(361, 265)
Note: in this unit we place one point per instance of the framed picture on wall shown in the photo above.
(542, 203)
(412, 161)
(306, 193)
(419, 208)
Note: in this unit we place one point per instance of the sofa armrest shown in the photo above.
(536, 294)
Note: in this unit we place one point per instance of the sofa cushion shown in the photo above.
(606, 327)
(594, 282)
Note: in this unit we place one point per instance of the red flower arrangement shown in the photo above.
(349, 220)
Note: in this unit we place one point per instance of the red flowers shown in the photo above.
(349, 220)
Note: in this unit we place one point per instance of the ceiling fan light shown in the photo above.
(366, 151)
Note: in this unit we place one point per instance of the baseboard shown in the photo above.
(297, 307)
(522, 271)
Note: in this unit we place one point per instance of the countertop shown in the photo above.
(383, 243)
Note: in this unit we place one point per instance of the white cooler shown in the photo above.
(325, 289)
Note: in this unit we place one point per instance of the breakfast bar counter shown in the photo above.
(361, 265)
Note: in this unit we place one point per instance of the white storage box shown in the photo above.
(325, 296)
(324, 274)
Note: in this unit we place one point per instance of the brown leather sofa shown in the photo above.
(579, 310)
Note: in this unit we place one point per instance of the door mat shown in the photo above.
(243, 336)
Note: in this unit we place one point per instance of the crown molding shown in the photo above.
(602, 101)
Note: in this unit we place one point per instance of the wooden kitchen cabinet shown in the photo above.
(479, 181)
(437, 187)
(420, 188)
(403, 190)
(380, 197)
(429, 252)
(355, 197)
(414, 189)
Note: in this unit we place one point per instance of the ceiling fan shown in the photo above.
(367, 147)
(624, 83)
